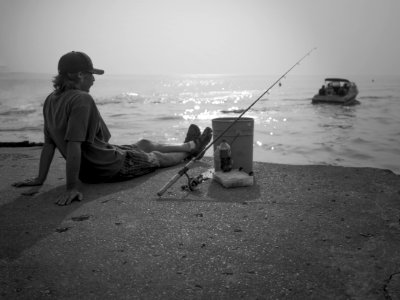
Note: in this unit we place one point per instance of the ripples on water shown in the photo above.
(288, 128)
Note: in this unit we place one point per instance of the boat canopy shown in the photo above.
(337, 79)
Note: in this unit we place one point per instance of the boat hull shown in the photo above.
(333, 99)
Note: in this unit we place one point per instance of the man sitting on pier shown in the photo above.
(73, 125)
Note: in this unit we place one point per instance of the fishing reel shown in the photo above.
(193, 182)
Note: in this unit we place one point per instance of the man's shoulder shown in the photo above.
(78, 94)
(70, 94)
(77, 97)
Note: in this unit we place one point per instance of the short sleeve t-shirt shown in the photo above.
(73, 116)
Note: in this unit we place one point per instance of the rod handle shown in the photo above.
(176, 177)
(168, 184)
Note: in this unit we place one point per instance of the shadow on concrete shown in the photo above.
(217, 193)
(27, 219)
(238, 194)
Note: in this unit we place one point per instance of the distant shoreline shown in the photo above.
(20, 144)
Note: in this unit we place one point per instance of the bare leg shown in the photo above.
(149, 146)
(170, 155)
(170, 159)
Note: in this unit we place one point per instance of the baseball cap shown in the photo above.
(75, 61)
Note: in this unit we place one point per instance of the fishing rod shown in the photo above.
(184, 170)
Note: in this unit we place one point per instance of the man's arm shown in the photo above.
(46, 157)
(73, 165)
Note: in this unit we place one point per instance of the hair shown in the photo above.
(64, 82)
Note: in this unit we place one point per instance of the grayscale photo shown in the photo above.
(199, 149)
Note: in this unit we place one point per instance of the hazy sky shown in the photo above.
(203, 36)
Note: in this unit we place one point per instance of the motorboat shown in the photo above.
(337, 91)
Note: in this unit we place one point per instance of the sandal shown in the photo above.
(201, 143)
(193, 133)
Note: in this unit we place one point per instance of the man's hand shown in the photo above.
(46, 157)
(69, 196)
(28, 182)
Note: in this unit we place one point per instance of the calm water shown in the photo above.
(288, 128)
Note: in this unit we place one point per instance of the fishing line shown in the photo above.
(188, 165)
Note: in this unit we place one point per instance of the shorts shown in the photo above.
(136, 163)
